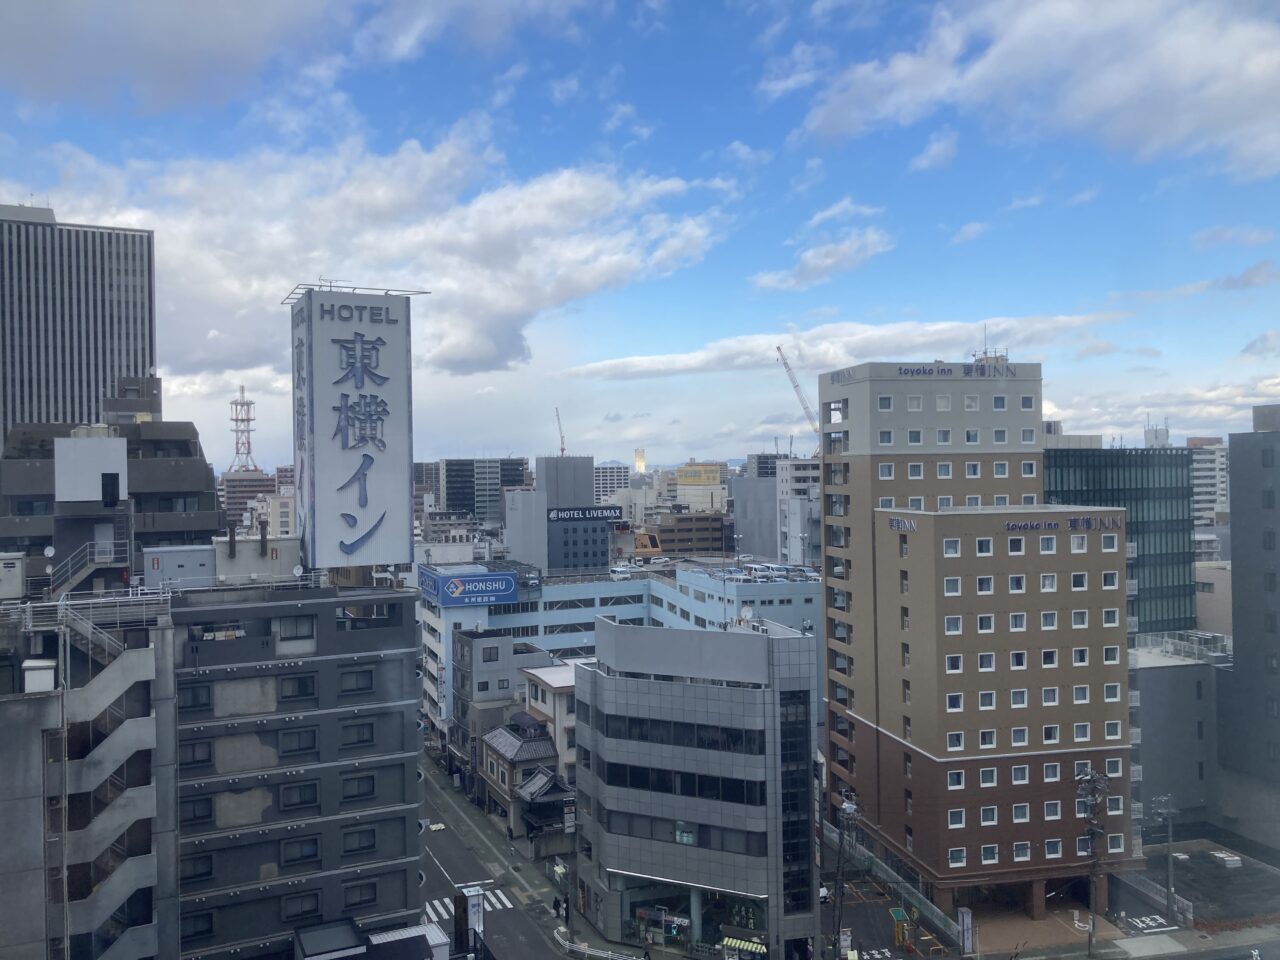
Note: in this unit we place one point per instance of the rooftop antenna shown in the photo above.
(560, 427)
(242, 418)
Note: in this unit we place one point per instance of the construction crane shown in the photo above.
(804, 401)
(560, 427)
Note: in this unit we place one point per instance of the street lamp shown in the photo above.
(1171, 902)
(804, 549)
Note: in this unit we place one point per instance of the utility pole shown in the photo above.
(846, 819)
(1171, 900)
(1093, 787)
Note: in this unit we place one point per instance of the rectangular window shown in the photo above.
(1079, 543)
(195, 809)
(1052, 849)
(944, 437)
(990, 853)
(298, 688)
(951, 547)
(986, 662)
(299, 795)
(1080, 656)
(1017, 660)
(915, 403)
(1052, 772)
(299, 850)
(1028, 435)
(970, 435)
(1115, 806)
(986, 739)
(1049, 659)
(1080, 693)
(972, 470)
(886, 438)
(1000, 435)
(1021, 775)
(300, 905)
(1000, 469)
(955, 818)
(359, 894)
(1110, 579)
(986, 585)
(356, 681)
(1028, 401)
(1079, 581)
(1049, 734)
(955, 702)
(944, 503)
(1115, 843)
(355, 734)
(1048, 619)
(955, 663)
(915, 437)
(884, 403)
(358, 788)
(1017, 583)
(886, 471)
(1017, 622)
(194, 925)
(886, 503)
(1079, 619)
(984, 546)
(1018, 736)
(489, 655)
(1022, 850)
(955, 779)
(987, 816)
(1028, 468)
(1111, 617)
(986, 623)
(915, 471)
(196, 868)
(194, 697)
(196, 753)
(298, 741)
(951, 586)
(1111, 654)
(1111, 692)
(955, 741)
(987, 777)
(1110, 542)
(1111, 730)
(1048, 544)
(1053, 809)
(1018, 698)
(359, 840)
(1115, 767)
(1022, 812)
(944, 470)
(951, 625)
(1080, 732)
(971, 402)
(942, 402)
(1049, 696)
(956, 856)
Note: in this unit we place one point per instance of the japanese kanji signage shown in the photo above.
(353, 428)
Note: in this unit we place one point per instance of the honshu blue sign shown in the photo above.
(467, 589)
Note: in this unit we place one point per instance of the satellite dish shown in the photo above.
(297, 569)
(49, 551)
(747, 613)
(48, 568)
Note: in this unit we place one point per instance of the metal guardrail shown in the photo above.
(582, 950)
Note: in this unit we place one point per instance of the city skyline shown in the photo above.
(622, 209)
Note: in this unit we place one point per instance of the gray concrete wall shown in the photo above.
(755, 515)
(1179, 750)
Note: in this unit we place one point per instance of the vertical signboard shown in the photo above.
(353, 428)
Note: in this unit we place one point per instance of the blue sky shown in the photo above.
(621, 207)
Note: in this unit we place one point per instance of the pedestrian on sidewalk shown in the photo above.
(555, 907)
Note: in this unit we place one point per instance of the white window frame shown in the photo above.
(1110, 579)
(1020, 775)
(986, 662)
(942, 402)
(1023, 398)
(1000, 435)
(975, 432)
(886, 503)
(1079, 619)
(952, 860)
(1016, 694)
(959, 661)
(948, 543)
(959, 742)
(1084, 583)
(952, 625)
(977, 546)
(885, 471)
(1080, 693)
(1019, 625)
(1111, 693)
(884, 403)
(957, 699)
(1020, 586)
(1021, 850)
(1019, 736)
(1053, 810)
(1052, 772)
(1013, 660)
(1050, 733)
(951, 586)
(972, 402)
(1048, 619)
(1112, 730)
(987, 740)
(1048, 540)
(880, 437)
(1049, 658)
(952, 774)
(1111, 617)
(988, 697)
(994, 850)
(1081, 731)
(1028, 469)
(915, 403)
(991, 584)
(1025, 809)
(943, 435)
(1111, 654)
(943, 470)
(915, 471)
(973, 470)
(951, 818)
(1049, 697)
(1028, 435)
(1000, 401)
(1000, 469)
(1079, 543)
(915, 437)
(989, 619)
(989, 816)
(1115, 806)
(1110, 542)
(1076, 659)
(1116, 764)
(1115, 843)
(1017, 546)
(995, 777)
(1053, 849)
(915, 503)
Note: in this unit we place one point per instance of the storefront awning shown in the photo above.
(744, 946)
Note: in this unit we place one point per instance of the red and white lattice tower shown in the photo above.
(242, 418)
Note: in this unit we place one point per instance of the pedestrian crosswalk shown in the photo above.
(442, 909)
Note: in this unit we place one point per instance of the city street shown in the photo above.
(517, 920)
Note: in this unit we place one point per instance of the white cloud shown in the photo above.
(1025, 203)
(506, 83)
(842, 208)
(400, 29)
(565, 89)
(748, 156)
(494, 257)
(803, 66)
(834, 345)
(624, 115)
(155, 53)
(1265, 344)
(1261, 274)
(1240, 235)
(1088, 195)
(818, 264)
(938, 152)
(970, 231)
(1149, 76)
(813, 174)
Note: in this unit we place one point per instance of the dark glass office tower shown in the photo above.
(1154, 487)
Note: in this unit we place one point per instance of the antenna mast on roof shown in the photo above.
(242, 418)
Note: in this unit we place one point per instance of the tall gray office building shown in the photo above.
(77, 313)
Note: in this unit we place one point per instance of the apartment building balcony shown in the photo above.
(1135, 698)
(1131, 588)
(1135, 736)
(1131, 624)
(1135, 809)
(1131, 551)
(1135, 773)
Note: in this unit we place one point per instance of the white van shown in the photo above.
(619, 573)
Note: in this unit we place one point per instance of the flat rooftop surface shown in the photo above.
(1249, 891)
